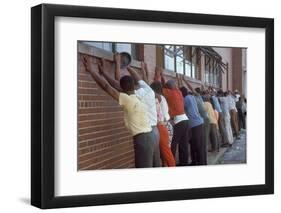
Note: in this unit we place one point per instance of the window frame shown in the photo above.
(134, 48)
(192, 60)
(212, 75)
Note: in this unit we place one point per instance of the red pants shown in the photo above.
(165, 151)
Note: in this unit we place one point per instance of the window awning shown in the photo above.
(210, 52)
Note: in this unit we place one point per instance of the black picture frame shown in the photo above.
(43, 105)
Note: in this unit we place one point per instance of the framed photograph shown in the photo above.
(140, 106)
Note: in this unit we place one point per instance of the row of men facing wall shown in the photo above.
(164, 119)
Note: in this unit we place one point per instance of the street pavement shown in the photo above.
(228, 155)
(237, 153)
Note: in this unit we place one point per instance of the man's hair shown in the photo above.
(220, 92)
(184, 91)
(206, 98)
(198, 90)
(171, 84)
(127, 83)
(157, 87)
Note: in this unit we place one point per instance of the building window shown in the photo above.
(101, 45)
(169, 57)
(116, 47)
(181, 59)
(207, 69)
(188, 61)
(191, 62)
(212, 72)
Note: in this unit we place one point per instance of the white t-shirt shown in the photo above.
(237, 96)
(147, 96)
(231, 102)
(244, 107)
(224, 106)
(164, 108)
(179, 118)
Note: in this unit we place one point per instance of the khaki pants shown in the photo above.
(214, 137)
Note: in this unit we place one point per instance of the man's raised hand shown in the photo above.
(117, 59)
(101, 65)
(85, 62)
(159, 71)
(88, 63)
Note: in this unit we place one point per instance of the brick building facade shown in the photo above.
(103, 141)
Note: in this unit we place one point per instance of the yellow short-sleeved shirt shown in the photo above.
(135, 114)
(210, 111)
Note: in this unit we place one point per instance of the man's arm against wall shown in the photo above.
(99, 79)
(114, 83)
(144, 70)
(188, 85)
(134, 74)
(163, 80)
(179, 80)
(117, 60)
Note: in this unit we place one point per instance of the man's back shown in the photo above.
(175, 101)
(135, 114)
(191, 109)
(224, 105)
(147, 96)
(216, 103)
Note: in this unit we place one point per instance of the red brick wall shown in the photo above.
(103, 141)
(150, 59)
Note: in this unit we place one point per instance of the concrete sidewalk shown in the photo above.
(226, 155)
(213, 157)
(230, 155)
(237, 153)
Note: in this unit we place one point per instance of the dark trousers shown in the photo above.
(144, 148)
(234, 122)
(156, 152)
(198, 147)
(241, 116)
(181, 137)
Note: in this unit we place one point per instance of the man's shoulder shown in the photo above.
(123, 95)
(143, 84)
(144, 88)
(166, 91)
(187, 97)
